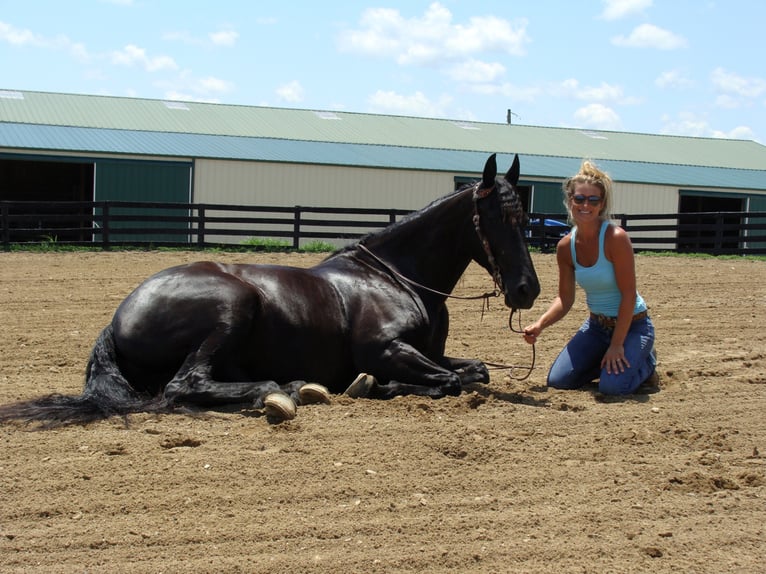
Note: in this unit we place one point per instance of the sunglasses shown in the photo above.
(593, 200)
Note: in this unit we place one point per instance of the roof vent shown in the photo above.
(328, 115)
(9, 95)
(176, 106)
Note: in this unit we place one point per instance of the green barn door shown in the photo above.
(165, 182)
(757, 203)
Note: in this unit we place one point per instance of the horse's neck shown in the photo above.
(426, 248)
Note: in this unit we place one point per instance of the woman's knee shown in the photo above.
(563, 381)
(623, 384)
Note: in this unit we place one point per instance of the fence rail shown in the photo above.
(119, 223)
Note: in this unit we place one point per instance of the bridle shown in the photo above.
(478, 193)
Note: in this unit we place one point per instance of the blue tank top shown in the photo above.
(598, 281)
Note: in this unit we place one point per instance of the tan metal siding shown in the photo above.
(632, 198)
(288, 185)
(271, 184)
(644, 198)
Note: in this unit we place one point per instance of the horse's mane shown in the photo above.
(394, 227)
(510, 204)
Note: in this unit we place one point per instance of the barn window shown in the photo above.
(328, 115)
(176, 106)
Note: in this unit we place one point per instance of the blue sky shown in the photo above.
(681, 67)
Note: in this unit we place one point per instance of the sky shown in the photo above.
(676, 67)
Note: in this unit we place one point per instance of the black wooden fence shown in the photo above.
(110, 224)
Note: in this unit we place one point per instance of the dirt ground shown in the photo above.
(508, 477)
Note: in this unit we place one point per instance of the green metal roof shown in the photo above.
(132, 117)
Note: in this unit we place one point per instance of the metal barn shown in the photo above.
(57, 147)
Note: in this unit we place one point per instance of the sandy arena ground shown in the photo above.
(509, 477)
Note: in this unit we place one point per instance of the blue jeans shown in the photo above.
(579, 362)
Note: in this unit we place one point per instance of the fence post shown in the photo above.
(297, 227)
(718, 244)
(391, 217)
(105, 226)
(201, 227)
(6, 228)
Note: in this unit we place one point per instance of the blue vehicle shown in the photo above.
(546, 235)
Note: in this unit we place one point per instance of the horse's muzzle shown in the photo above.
(522, 296)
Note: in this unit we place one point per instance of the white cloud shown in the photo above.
(214, 85)
(650, 36)
(290, 92)
(416, 104)
(672, 79)
(603, 93)
(224, 37)
(617, 9)
(476, 71)
(26, 38)
(185, 86)
(433, 39)
(507, 90)
(686, 124)
(741, 133)
(598, 116)
(728, 101)
(689, 124)
(20, 37)
(736, 85)
(133, 55)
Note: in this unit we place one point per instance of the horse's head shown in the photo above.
(499, 219)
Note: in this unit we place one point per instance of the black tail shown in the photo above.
(106, 393)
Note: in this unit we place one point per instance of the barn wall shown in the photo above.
(288, 185)
(279, 184)
(634, 198)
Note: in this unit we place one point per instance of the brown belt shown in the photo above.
(610, 322)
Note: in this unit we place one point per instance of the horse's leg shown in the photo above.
(469, 370)
(194, 383)
(194, 386)
(406, 371)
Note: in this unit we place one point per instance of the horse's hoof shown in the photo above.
(279, 406)
(313, 393)
(361, 386)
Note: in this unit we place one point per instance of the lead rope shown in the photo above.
(530, 368)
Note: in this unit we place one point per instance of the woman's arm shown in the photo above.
(561, 305)
(619, 250)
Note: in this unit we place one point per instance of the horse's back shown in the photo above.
(271, 322)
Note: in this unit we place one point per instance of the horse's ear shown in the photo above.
(490, 172)
(512, 176)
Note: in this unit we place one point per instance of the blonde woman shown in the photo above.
(615, 344)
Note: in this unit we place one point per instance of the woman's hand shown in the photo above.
(531, 333)
(614, 360)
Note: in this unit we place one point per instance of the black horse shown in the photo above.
(212, 334)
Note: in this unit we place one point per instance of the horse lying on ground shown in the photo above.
(209, 334)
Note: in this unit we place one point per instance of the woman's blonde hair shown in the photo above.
(592, 175)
